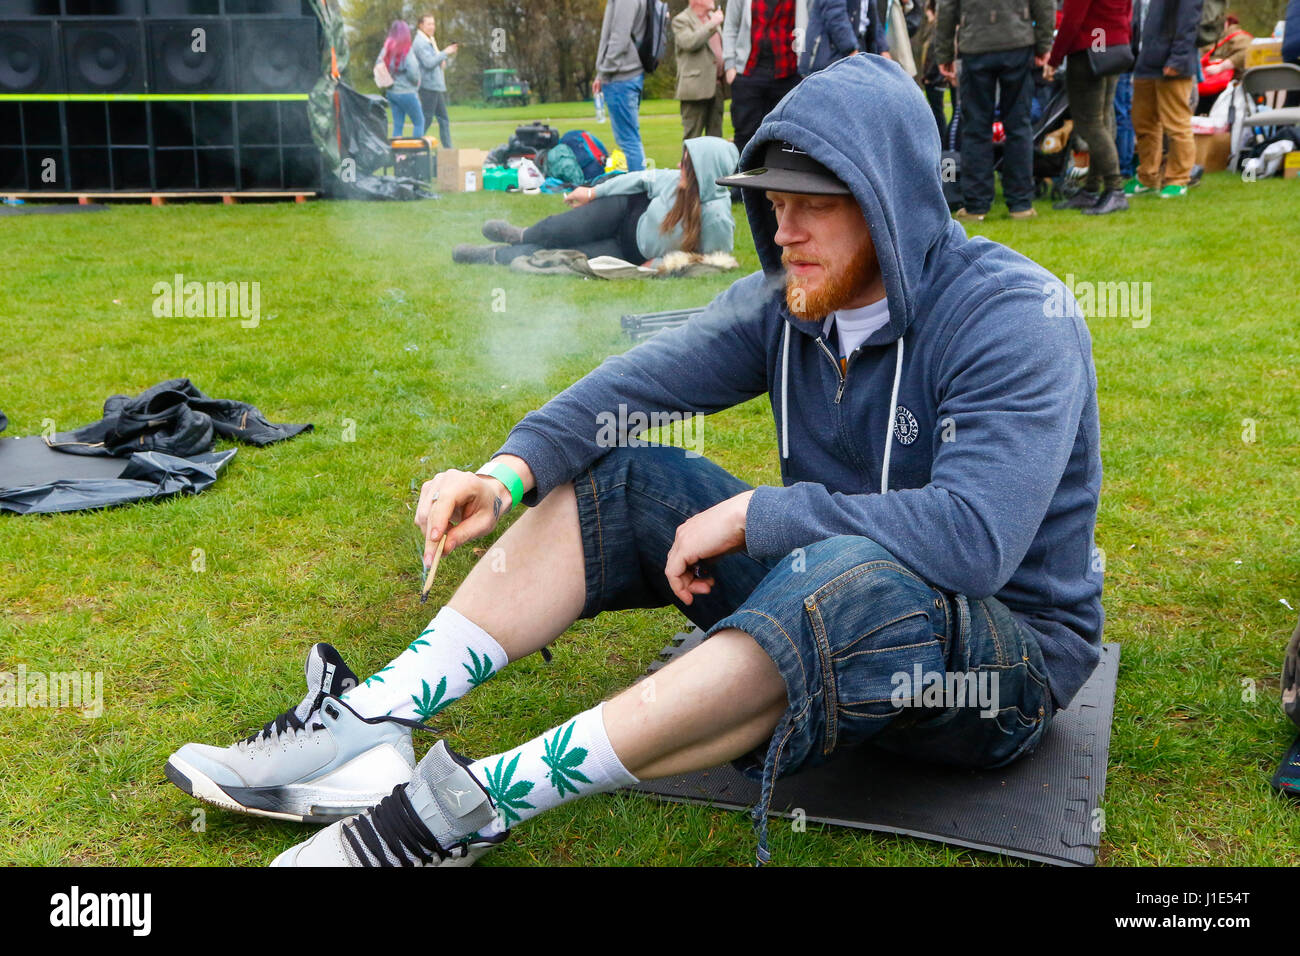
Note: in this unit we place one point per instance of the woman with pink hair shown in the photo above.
(403, 95)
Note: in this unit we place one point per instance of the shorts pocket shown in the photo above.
(876, 648)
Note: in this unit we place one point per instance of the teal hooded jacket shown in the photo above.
(712, 158)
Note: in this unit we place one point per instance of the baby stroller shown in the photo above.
(1055, 174)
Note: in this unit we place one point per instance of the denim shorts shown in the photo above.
(869, 650)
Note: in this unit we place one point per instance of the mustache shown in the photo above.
(786, 259)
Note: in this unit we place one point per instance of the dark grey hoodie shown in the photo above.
(974, 410)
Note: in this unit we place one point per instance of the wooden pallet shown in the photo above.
(228, 198)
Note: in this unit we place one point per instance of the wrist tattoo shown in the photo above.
(496, 507)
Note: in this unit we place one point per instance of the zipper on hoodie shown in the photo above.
(839, 392)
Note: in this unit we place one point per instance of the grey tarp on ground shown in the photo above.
(155, 445)
(28, 485)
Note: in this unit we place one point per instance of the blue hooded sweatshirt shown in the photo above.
(964, 437)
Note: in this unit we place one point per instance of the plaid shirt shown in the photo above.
(772, 26)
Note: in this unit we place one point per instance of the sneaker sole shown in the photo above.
(469, 859)
(274, 803)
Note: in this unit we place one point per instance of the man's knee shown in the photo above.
(826, 563)
(842, 618)
(667, 476)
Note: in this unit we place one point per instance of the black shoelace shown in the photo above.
(394, 823)
(289, 718)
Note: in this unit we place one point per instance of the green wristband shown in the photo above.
(508, 477)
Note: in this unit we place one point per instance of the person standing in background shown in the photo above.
(1085, 25)
(1125, 139)
(1164, 33)
(927, 70)
(760, 55)
(1291, 36)
(832, 34)
(1001, 43)
(701, 86)
(620, 76)
(433, 85)
(403, 95)
(896, 35)
(871, 32)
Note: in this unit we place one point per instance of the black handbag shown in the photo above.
(1111, 60)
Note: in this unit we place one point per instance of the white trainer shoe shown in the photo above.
(317, 762)
(443, 797)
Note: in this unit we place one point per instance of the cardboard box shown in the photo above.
(1213, 150)
(1291, 165)
(1263, 51)
(460, 170)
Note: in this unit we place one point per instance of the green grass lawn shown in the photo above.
(370, 332)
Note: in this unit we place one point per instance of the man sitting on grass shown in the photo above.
(939, 449)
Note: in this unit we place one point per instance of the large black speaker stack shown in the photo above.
(157, 95)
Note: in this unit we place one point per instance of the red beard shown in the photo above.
(834, 291)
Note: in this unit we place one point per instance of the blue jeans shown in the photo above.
(623, 98)
(1125, 138)
(854, 633)
(404, 105)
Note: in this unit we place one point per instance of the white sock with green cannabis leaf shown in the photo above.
(569, 761)
(451, 657)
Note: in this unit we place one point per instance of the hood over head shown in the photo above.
(867, 121)
(713, 158)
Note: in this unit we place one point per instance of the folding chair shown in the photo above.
(1260, 80)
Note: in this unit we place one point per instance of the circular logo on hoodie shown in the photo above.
(905, 427)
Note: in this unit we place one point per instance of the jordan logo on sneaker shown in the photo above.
(457, 794)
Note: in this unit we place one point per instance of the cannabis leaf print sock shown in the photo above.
(451, 657)
(572, 760)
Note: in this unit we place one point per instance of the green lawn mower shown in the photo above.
(504, 88)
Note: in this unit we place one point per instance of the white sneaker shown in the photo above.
(317, 762)
(442, 798)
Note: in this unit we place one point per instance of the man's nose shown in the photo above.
(789, 231)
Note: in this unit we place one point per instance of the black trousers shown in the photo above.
(603, 227)
(1002, 80)
(934, 94)
(434, 103)
(752, 98)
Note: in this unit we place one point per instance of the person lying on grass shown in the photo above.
(938, 440)
(636, 217)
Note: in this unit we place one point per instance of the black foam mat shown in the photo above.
(1040, 808)
(29, 461)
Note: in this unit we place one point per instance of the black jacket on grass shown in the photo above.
(172, 417)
